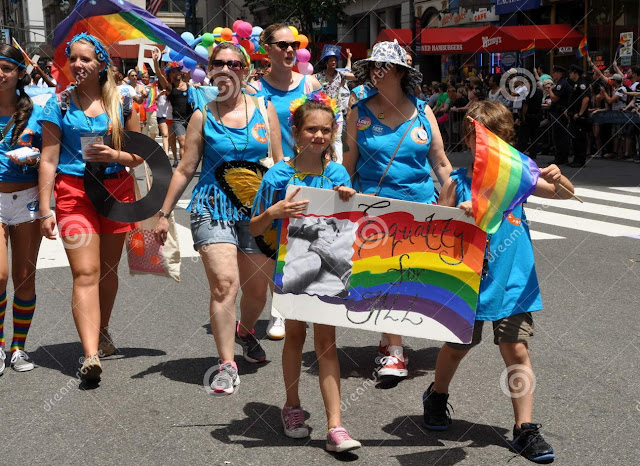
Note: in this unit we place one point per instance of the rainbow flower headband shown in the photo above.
(101, 53)
(316, 96)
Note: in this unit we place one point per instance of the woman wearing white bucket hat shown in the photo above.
(382, 161)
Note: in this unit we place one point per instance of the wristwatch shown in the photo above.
(164, 214)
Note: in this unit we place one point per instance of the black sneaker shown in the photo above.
(436, 410)
(251, 349)
(529, 442)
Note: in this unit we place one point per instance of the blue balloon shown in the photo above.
(166, 57)
(256, 44)
(176, 56)
(202, 51)
(187, 36)
(189, 63)
(256, 31)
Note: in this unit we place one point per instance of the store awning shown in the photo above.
(546, 36)
(468, 40)
(403, 36)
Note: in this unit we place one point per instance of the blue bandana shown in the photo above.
(20, 65)
(102, 54)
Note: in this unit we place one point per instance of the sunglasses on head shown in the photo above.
(284, 45)
(233, 65)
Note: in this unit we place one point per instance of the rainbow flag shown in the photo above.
(529, 50)
(621, 44)
(583, 48)
(151, 96)
(503, 177)
(27, 59)
(112, 21)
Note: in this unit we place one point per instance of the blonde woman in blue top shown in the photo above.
(230, 128)
(93, 243)
(19, 128)
(377, 125)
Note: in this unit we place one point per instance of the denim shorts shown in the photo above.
(205, 231)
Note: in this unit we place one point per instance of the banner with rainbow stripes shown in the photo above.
(382, 265)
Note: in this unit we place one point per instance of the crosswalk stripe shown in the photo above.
(538, 235)
(583, 224)
(605, 196)
(587, 207)
(629, 190)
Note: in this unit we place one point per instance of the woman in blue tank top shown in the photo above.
(19, 129)
(398, 144)
(232, 127)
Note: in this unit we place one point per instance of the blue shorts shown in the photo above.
(205, 231)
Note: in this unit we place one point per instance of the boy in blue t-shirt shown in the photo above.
(508, 294)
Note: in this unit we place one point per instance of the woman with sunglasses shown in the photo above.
(71, 136)
(19, 129)
(398, 143)
(282, 86)
(232, 127)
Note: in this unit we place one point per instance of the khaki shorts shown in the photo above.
(513, 329)
(151, 126)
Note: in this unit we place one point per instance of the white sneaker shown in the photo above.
(275, 329)
(2, 358)
(21, 362)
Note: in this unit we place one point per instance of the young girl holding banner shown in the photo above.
(508, 293)
(313, 126)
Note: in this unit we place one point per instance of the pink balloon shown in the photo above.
(303, 55)
(244, 29)
(305, 67)
(236, 23)
(234, 39)
(198, 75)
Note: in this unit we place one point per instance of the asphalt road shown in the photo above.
(151, 407)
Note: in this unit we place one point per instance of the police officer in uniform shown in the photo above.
(560, 93)
(577, 115)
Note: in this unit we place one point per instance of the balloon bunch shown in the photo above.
(302, 55)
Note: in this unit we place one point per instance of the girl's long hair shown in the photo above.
(24, 105)
(112, 101)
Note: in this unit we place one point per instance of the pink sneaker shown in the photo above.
(293, 422)
(338, 440)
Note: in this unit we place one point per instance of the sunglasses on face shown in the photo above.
(284, 45)
(233, 65)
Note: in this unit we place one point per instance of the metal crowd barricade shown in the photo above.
(453, 127)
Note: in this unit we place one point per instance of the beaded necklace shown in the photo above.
(297, 175)
(224, 127)
(84, 114)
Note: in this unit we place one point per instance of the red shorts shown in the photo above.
(76, 214)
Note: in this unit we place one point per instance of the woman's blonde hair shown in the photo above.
(494, 116)
(111, 99)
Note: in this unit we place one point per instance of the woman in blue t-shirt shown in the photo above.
(19, 129)
(84, 114)
(397, 145)
(232, 127)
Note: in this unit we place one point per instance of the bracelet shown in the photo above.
(49, 215)
(164, 214)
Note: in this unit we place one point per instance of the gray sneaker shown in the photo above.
(105, 343)
(2, 358)
(225, 381)
(21, 362)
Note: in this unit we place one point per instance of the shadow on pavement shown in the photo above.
(362, 361)
(66, 357)
(195, 370)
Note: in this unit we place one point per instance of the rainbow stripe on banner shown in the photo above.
(583, 48)
(529, 50)
(112, 21)
(430, 268)
(503, 177)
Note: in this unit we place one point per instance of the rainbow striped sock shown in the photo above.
(22, 316)
(3, 310)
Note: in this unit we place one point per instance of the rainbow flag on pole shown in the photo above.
(529, 50)
(113, 21)
(583, 48)
(503, 177)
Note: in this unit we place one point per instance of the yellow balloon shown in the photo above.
(217, 30)
(216, 34)
(295, 32)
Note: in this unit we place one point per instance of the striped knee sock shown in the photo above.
(3, 309)
(22, 316)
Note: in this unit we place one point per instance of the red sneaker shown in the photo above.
(394, 366)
